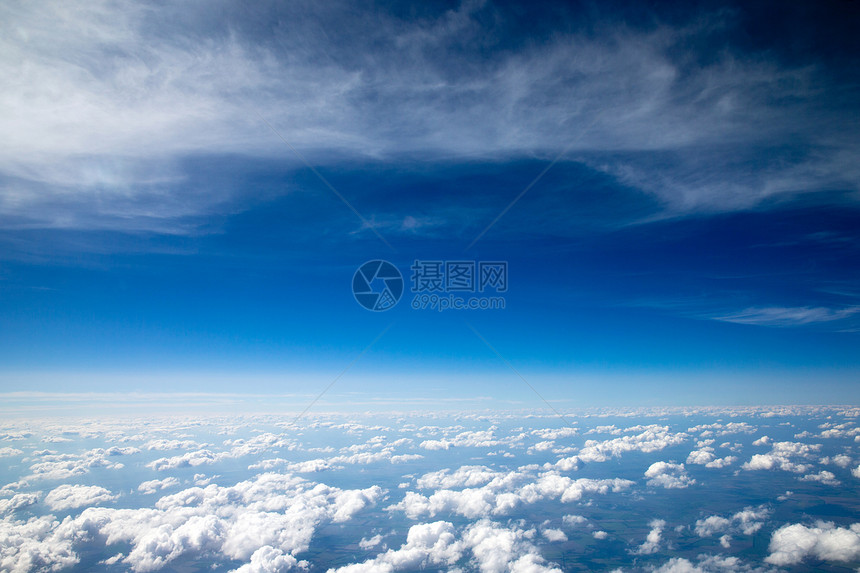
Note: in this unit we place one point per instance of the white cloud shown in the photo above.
(653, 438)
(73, 496)
(263, 521)
(782, 316)
(154, 485)
(574, 520)
(268, 559)
(781, 457)
(840, 460)
(747, 522)
(497, 549)
(707, 564)
(652, 541)
(503, 493)
(825, 477)
(7, 452)
(18, 501)
(189, 459)
(791, 544)
(53, 466)
(464, 476)
(554, 534)
(428, 545)
(34, 545)
(104, 100)
(668, 475)
(370, 543)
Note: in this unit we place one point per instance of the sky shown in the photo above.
(187, 191)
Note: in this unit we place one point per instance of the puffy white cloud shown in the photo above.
(502, 494)
(701, 457)
(824, 476)
(370, 543)
(652, 541)
(263, 521)
(748, 521)
(840, 460)
(427, 545)
(73, 496)
(268, 559)
(467, 439)
(782, 456)
(163, 444)
(189, 459)
(18, 501)
(721, 429)
(600, 534)
(8, 452)
(464, 476)
(574, 519)
(54, 466)
(707, 564)
(34, 545)
(155, 485)
(497, 549)
(791, 544)
(705, 457)
(653, 438)
(554, 534)
(711, 525)
(668, 475)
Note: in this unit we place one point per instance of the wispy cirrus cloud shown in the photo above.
(789, 316)
(104, 102)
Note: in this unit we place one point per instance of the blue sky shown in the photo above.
(694, 240)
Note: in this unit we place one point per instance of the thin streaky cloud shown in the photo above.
(105, 101)
(789, 316)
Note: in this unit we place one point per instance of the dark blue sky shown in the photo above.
(695, 238)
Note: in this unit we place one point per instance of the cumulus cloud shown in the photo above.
(824, 476)
(428, 545)
(155, 485)
(17, 501)
(493, 548)
(791, 544)
(652, 541)
(746, 522)
(263, 521)
(668, 475)
(503, 493)
(782, 456)
(73, 496)
(35, 544)
(53, 466)
(650, 439)
(708, 564)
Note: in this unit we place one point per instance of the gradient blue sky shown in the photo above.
(695, 242)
